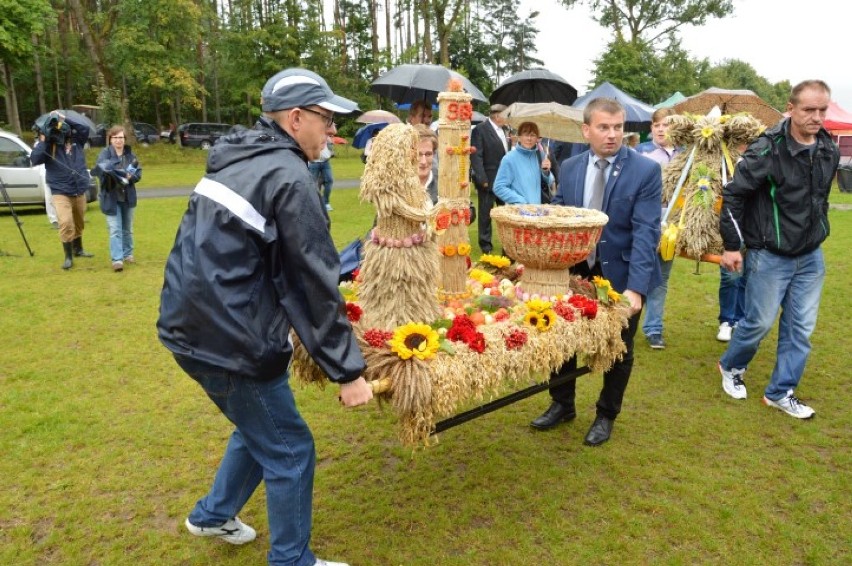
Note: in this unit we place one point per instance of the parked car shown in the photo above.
(24, 183)
(201, 134)
(145, 133)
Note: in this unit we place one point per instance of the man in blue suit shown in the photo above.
(627, 187)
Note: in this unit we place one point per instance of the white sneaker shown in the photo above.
(732, 382)
(233, 531)
(725, 332)
(321, 562)
(791, 405)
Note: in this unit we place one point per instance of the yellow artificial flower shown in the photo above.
(703, 183)
(601, 283)
(498, 261)
(724, 118)
(546, 320)
(707, 132)
(481, 276)
(532, 318)
(415, 339)
(537, 305)
(613, 295)
(464, 249)
(449, 250)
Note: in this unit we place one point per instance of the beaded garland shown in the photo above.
(415, 239)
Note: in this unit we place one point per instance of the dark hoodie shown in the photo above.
(778, 198)
(253, 257)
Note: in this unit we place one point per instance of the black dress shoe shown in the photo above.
(599, 431)
(555, 414)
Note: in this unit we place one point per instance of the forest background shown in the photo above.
(172, 61)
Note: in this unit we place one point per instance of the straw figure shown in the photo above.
(400, 269)
(717, 143)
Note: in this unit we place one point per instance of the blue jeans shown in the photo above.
(793, 284)
(321, 170)
(120, 227)
(732, 288)
(271, 442)
(656, 302)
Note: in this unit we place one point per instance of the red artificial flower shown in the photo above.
(356, 273)
(353, 312)
(442, 221)
(477, 342)
(377, 338)
(588, 307)
(516, 339)
(564, 310)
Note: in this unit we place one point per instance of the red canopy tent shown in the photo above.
(837, 119)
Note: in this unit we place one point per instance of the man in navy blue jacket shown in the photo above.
(626, 254)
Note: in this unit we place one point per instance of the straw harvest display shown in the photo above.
(693, 180)
(428, 358)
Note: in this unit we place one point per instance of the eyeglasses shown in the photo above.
(117, 138)
(426, 154)
(329, 118)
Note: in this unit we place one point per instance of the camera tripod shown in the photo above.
(20, 224)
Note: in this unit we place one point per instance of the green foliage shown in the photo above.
(737, 74)
(648, 20)
(22, 19)
(109, 99)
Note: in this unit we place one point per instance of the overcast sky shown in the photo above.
(781, 39)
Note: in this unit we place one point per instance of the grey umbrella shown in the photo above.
(410, 83)
(83, 125)
(535, 85)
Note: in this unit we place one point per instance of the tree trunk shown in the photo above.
(93, 44)
(374, 44)
(11, 99)
(426, 10)
(42, 107)
(388, 36)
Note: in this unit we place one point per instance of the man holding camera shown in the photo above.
(60, 149)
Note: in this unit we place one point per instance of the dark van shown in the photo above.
(201, 134)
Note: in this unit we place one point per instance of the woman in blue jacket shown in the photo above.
(523, 172)
(119, 171)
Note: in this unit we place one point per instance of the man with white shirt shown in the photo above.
(491, 142)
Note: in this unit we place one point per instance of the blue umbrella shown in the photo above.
(364, 133)
(637, 113)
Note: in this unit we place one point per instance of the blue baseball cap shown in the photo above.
(293, 88)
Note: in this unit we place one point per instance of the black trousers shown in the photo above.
(615, 379)
(485, 202)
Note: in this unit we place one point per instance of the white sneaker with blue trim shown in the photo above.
(732, 382)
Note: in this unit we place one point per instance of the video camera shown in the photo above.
(54, 128)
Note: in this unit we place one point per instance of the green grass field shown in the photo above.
(105, 445)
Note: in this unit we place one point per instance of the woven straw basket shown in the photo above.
(547, 239)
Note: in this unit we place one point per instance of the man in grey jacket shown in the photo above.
(776, 211)
(252, 259)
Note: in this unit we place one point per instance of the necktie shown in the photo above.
(596, 202)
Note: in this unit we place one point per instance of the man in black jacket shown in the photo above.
(492, 143)
(252, 259)
(776, 209)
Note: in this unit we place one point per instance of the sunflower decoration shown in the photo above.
(539, 315)
(415, 340)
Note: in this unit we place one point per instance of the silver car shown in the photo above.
(24, 183)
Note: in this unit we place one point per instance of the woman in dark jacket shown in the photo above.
(119, 171)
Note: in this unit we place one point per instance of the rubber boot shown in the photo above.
(69, 260)
(78, 248)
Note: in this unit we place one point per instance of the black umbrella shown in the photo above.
(81, 125)
(410, 83)
(535, 85)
